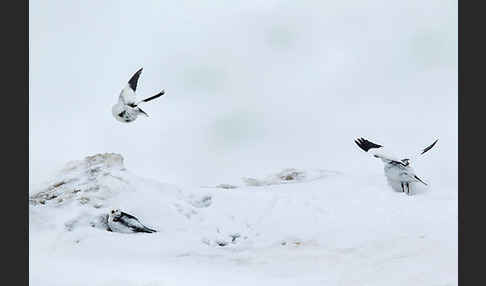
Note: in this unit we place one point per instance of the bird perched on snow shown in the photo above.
(127, 108)
(396, 170)
(119, 221)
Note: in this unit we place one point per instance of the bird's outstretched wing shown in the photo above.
(132, 83)
(423, 151)
(152, 97)
(366, 146)
(429, 147)
(127, 95)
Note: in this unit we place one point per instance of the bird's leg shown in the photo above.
(403, 190)
(408, 189)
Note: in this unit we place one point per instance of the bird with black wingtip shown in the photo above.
(119, 221)
(128, 108)
(397, 171)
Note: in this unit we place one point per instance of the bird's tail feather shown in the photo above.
(143, 112)
(420, 180)
(149, 230)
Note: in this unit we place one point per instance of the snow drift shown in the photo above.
(323, 228)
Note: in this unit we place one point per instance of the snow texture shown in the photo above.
(318, 230)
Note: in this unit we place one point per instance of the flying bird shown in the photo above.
(396, 170)
(119, 221)
(127, 108)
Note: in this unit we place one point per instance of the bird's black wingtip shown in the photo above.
(155, 96)
(366, 145)
(134, 79)
(138, 72)
(429, 147)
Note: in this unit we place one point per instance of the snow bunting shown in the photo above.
(127, 108)
(396, 170)
(119, 221)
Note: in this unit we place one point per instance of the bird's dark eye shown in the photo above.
(112, 212)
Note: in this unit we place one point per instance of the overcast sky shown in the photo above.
(251, 86)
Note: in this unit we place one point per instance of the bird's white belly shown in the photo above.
(398, 173)
(392, 173)
(124, 113)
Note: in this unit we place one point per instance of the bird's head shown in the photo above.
(114, 213)
(406, 162)
(117, 111)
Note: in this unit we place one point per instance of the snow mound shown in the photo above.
(84, 191)
(87, 182)
(287, 176)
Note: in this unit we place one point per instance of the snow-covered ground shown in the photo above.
(338, 229)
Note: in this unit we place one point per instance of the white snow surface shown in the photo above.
(337, 229)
